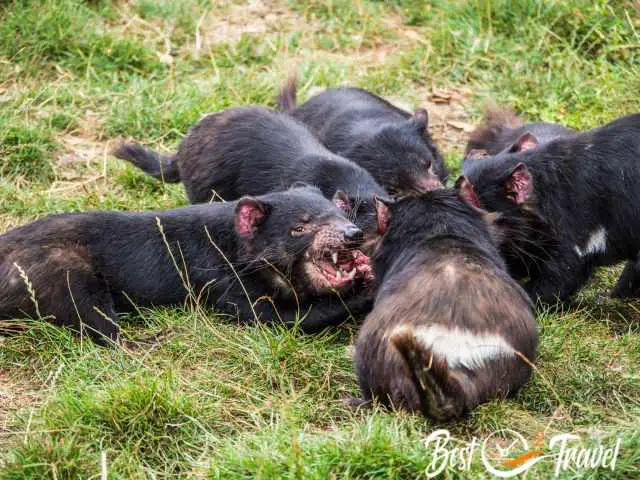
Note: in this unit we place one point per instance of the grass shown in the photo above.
(218, 400)
(26, 151)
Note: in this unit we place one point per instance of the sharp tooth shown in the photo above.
(339, 274)
(334, 257)
(354, 254)
(351, 274)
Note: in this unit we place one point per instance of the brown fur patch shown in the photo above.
(288, 94)
(495, 120)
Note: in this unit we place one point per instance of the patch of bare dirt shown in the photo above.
(224, 24)
(256, 17)
(81, 162)
(79, 150)
(448, 117)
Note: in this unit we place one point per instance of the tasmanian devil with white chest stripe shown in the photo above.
(254, 151)
(272, 258)
(392, 144)
(450, 328)
(583, 190)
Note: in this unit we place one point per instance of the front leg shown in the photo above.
(314, 316)
(558, 279)
(331, 310)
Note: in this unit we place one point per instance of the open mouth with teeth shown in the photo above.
(338, 268)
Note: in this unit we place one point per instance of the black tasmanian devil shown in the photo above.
(583, 189)
(253, 151)
(450, 328)
(287, 248)
(393, 145)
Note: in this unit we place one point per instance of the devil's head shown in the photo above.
(300, 239)
(402, 156)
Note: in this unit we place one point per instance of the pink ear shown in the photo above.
(526, 142)
(341, 201)
(248, 216)
(383, 214)
(466, 192)
(519, 183)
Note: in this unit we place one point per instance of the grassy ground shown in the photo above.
(214, 399)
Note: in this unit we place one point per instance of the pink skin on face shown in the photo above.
(430, 182)
(349, 265)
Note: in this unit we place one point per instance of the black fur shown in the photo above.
(577, 185)
(439, 267)
(253, 151)
(390, 143)
(85, 267)
(159, 166)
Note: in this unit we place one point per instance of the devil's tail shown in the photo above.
(431, 377)
(160, 166)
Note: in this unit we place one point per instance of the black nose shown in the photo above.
(353, 234)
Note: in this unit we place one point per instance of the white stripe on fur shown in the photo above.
(597, 243)
(462, 347)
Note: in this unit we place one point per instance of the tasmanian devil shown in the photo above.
(253, 151)
(392, 144)
(450, 328)
(583, 190)
(268, 258)
(503, 130)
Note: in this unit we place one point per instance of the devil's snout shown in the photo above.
(353, 234)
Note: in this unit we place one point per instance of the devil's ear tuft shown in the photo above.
(249, 215)
(527, 141)
(519, 184)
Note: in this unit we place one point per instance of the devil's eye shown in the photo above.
(298, 229)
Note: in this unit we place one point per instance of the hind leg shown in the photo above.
(86, 307)
(58, 285)
(628, 285)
